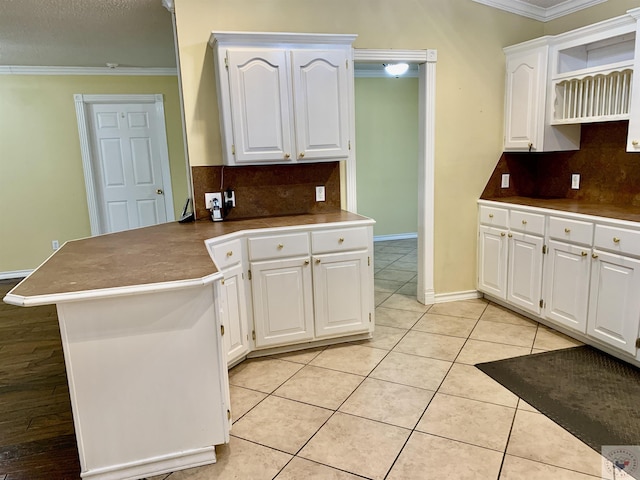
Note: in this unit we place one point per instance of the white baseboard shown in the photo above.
(396, 236)
(14, 274)
(456, 296)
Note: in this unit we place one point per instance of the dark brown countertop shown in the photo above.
(619, 212)
(170, 252)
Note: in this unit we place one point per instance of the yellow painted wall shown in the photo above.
(387, 140)
(42, 192)
(470, 88)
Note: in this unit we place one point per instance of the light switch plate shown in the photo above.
(575, 181)
(505, 180)
(320, 196)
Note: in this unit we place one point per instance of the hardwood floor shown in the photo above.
(37, 440)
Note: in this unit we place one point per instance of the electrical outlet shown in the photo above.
(209, 197)
(320, 195)
(55, 245)
(575, 181)
(505, 180)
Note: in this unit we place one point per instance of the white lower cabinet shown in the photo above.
(233, 314)
(340, 286)
(524, 280)
(614, 306)
(567, 284)
(577, 271)
(492, 262)
(282, 301)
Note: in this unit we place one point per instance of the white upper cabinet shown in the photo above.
(526, 118)
(260, 105)
(284, 98)
(524, 98)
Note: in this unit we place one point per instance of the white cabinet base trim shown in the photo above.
(303, 346)
(155, 466)
(456, 296)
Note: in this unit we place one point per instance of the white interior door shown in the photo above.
(125, 159)
(127, 166)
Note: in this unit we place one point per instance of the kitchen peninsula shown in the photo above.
(143, 319)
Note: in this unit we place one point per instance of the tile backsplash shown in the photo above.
(269, 190)
(608, 174)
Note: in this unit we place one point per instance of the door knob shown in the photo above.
(159, 191)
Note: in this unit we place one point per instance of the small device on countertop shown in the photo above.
(186, 217)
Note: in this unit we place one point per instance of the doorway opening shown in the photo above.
(426, 62)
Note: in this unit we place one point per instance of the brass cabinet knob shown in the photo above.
(287, 155)
(594, 255)
(510, 235)
(230, 253)
(584, 254)
(634, 143)
(502, 234)
(280, 246)
(301, 155)
(341, 240)
(567, 230)
(491, 215)
(524, 222)
(616, 240)
(317, 261)
(306, 262)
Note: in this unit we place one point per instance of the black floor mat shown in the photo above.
(591, 394)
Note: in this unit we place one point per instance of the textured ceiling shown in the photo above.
(86, 33)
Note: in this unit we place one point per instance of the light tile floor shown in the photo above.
(408, 404)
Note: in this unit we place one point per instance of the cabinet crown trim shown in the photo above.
(279, 38)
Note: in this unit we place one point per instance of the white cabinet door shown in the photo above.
(233, 308)
(614, 304)
(567, 285)
(340, 287)
(321, 106)
(260, 105)
(492, 262)
(282, 301)
(524, 282)
(525, 99)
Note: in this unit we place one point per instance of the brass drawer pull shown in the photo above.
(491, 215)
(280, 246)
(341, 240)
(584, 254)
(306, 262)
(567, 230)
(594, 255)
(510, 235)
(317, 261)
(616, 240)
(524, 222)
(230, 253)
(502, 234)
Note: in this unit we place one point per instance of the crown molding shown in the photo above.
(541, 14)
(119, 71)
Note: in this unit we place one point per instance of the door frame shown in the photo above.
(426, 60)
(82, 104)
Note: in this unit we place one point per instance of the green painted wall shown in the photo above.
(42, 192)
(387, 153)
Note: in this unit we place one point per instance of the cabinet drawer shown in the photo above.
(227, 254)
(279, 246)
(494, 217)
(339, 240)
(572, 231)
(619, 240)
(527, 222)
